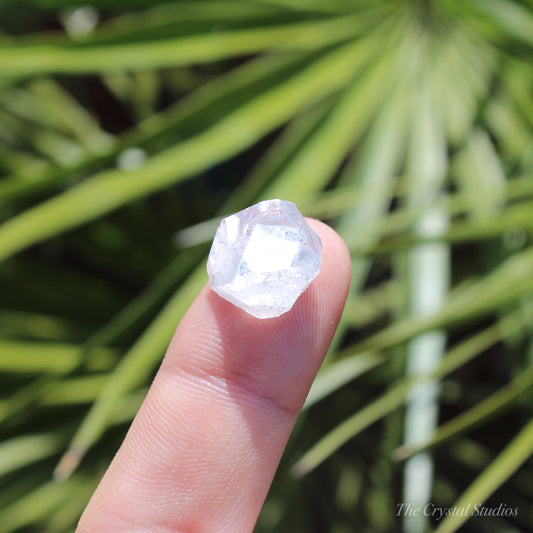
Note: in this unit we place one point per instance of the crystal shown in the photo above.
(264, 257)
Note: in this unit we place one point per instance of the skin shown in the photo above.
(201, 453)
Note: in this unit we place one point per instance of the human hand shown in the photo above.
(203, 449)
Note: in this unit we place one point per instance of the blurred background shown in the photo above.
(128, 128)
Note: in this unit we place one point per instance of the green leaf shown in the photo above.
(337, 374)
(34, 58)
(21, 451)
(493, 476)
(396, 396)
(509, 282)
(51, 358)
(516, 20)
(37, 505)
(114, 188)
(193, 113)
(489, 407)
(132, 370)
(330, 143)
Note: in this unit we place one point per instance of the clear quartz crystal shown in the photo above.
(264, 257)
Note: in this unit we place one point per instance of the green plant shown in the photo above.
(407, 125)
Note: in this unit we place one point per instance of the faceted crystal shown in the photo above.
(264, 257)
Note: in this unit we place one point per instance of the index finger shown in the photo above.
(203, 449)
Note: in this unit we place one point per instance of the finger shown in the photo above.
(204, 447)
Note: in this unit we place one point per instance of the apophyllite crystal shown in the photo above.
(264, 257)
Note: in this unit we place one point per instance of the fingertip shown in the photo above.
(336, 262)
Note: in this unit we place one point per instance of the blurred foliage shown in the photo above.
(128, 128)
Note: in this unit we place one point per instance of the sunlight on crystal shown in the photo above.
(270, 248)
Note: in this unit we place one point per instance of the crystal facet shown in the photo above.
(264, 257)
